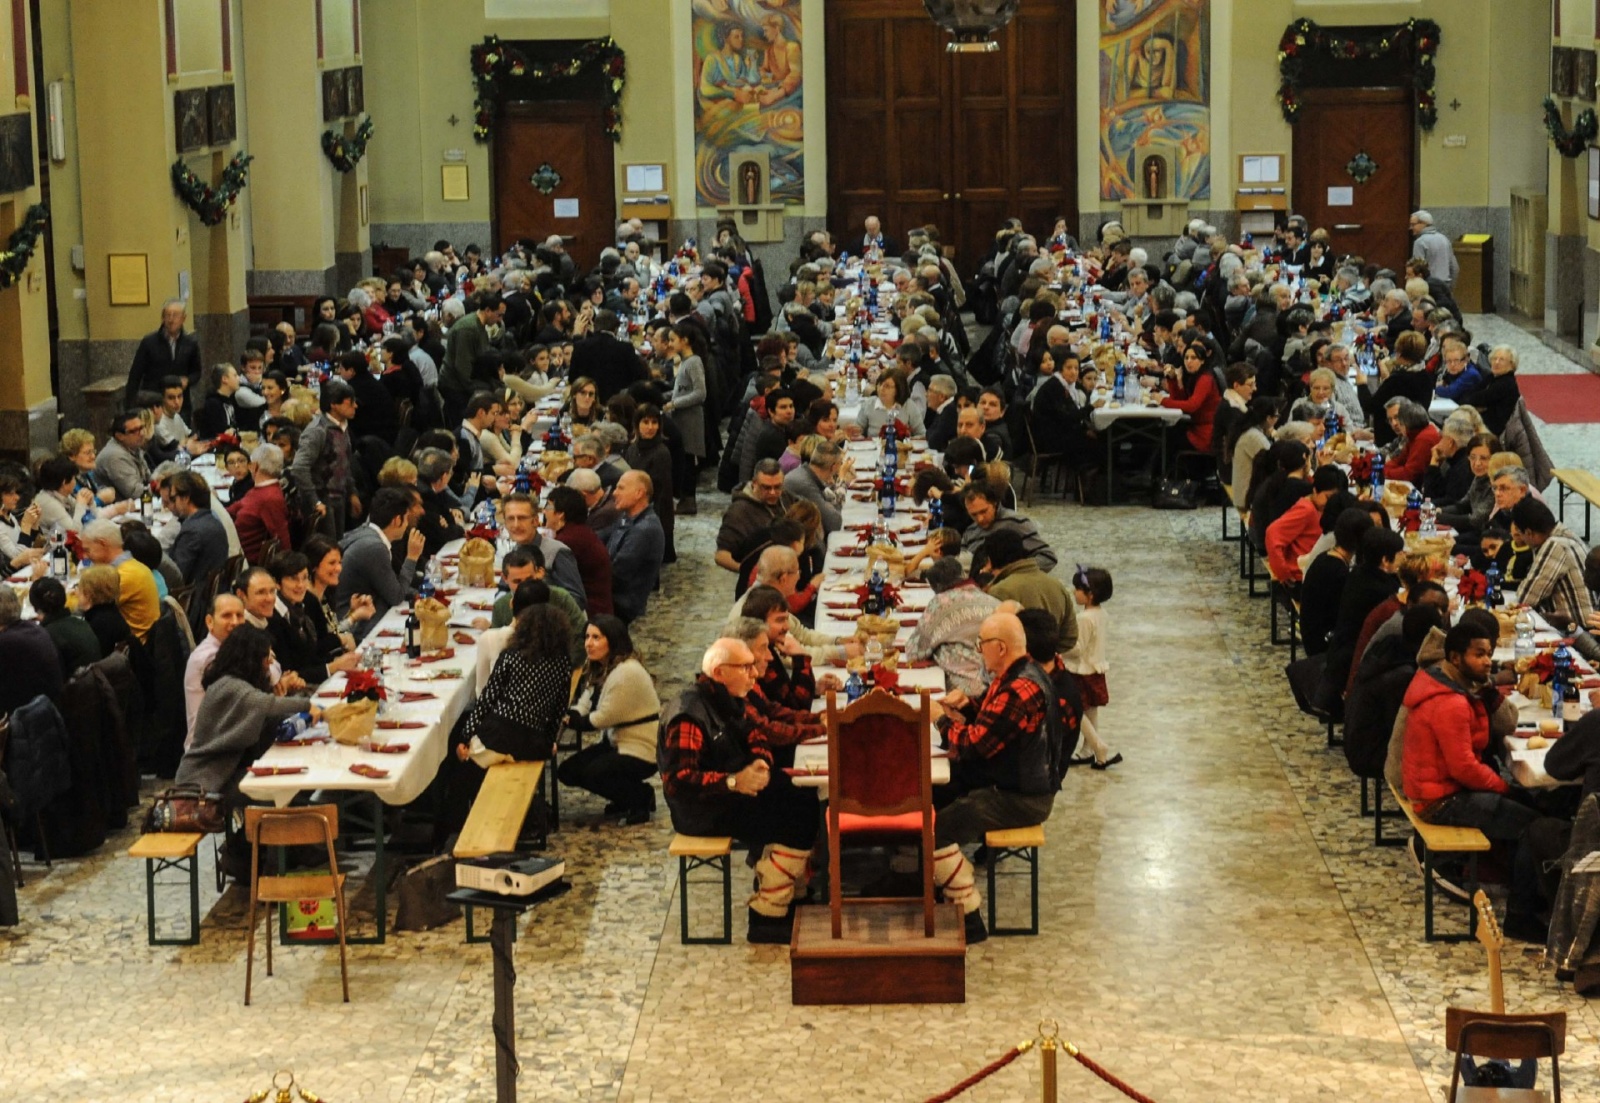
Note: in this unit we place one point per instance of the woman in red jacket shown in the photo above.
(1415, 436)
(1195, 392)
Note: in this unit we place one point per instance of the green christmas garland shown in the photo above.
(212, 204)
(346, 153)
(1570, 143)
(494, 62)
(19, 250)
(1304, 38)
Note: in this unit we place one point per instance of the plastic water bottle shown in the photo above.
(873, 652)
(1377, 475)
(1430, 518)
(291, 727)
(1121, 386)
(886, 495)
(935, 514)
(1524, 648)
(1491, 589)
(854, 687)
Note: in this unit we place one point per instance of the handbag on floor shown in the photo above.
(1177, 494)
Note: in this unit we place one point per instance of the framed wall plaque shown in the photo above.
(220, 109)
(333, 95)
(191, 121)
(355, 95)
(1583, 75)
(129, 278)
(16, 152)
(1594, 182)
(453, 183)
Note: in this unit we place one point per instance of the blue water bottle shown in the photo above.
(886, 495)
(1491, 587)
(854, 687)
(935, 514)
(1121, 386)
(291, 727)
(1377, 474)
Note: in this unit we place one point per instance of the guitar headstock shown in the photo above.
(1488, 926)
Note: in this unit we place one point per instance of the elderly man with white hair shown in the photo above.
(779, 567)
(1004, 757)
(1434, 247)
(139, 602)
(262, 515)
(716, 772)
(817, 480)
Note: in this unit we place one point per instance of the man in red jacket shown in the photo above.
(1293, 534)
(1446, 778)
(262, 515)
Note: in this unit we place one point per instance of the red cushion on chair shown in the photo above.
(907, 822)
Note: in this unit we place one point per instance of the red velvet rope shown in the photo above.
(1139, 1097)
(982, 1074)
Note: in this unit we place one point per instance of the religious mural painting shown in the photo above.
(748, 95)
(1155, 99)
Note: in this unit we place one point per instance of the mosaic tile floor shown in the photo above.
(1216, 924)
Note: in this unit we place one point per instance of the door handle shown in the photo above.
(958, 195)
(1347, 226)
(947, 195)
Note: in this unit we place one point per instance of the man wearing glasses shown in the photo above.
(716, 771)
(1000, 764)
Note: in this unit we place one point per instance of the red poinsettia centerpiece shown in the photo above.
(1411, 520)
(1361, 467)
(363, 685)
(902, 431)
(1472, 585)
(224, 441)
(883, 678)
(1543, 664)
(483, 532)
(886, 591)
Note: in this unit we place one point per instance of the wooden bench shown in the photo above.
(1015, 842)
(495, 821)
(703, 852)
(1584, 484)
(1438, 839)
(161, 851)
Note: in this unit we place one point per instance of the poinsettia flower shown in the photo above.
(363, 685)
(1361, 467)
(1472, 586)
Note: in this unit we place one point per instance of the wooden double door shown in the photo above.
(917, 135)
(570, 137)
(1367, 217)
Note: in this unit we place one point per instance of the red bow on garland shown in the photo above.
(363, 685)
(1472, 585)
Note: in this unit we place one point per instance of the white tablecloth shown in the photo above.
(409, 772)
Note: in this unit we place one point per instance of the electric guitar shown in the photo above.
(1489, 934)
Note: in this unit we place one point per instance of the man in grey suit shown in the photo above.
(121, 463)
(368, 563)
(817, 481)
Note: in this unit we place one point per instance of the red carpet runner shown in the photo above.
(1562, 399)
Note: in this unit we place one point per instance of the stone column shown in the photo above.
(27, 409)
(126, 147)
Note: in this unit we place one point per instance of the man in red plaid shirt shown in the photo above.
(716, 771)
(1001, 769)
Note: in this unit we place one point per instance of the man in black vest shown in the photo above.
(716, 771)
(1000, 758)
(167, 351)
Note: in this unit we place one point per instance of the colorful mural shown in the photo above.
(748, 94)
(1155, 91)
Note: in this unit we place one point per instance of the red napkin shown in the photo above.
(463, 638)
(301, 743)
(839, 604)
(481, 606)
(438, 656)
(394, 725)
(390, 748)
(920, 664)
(908, 622)
(362, 769)
(274, 771)
(388, 632)
(411, 696)
(329, 695)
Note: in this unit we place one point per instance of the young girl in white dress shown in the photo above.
(1091, 588)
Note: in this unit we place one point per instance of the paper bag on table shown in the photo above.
(435, 617)
(477, 564)
(352, 721)
(893, 559)
(883, 628)
(1395, 494)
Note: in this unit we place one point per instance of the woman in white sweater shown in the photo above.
(617, 696)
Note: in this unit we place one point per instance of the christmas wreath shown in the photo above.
(1304, 38)
(19, 250)
(1570, 143)
(346, 153)
(493, 62)
(212, 204)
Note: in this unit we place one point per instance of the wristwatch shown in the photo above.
(733, 783)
